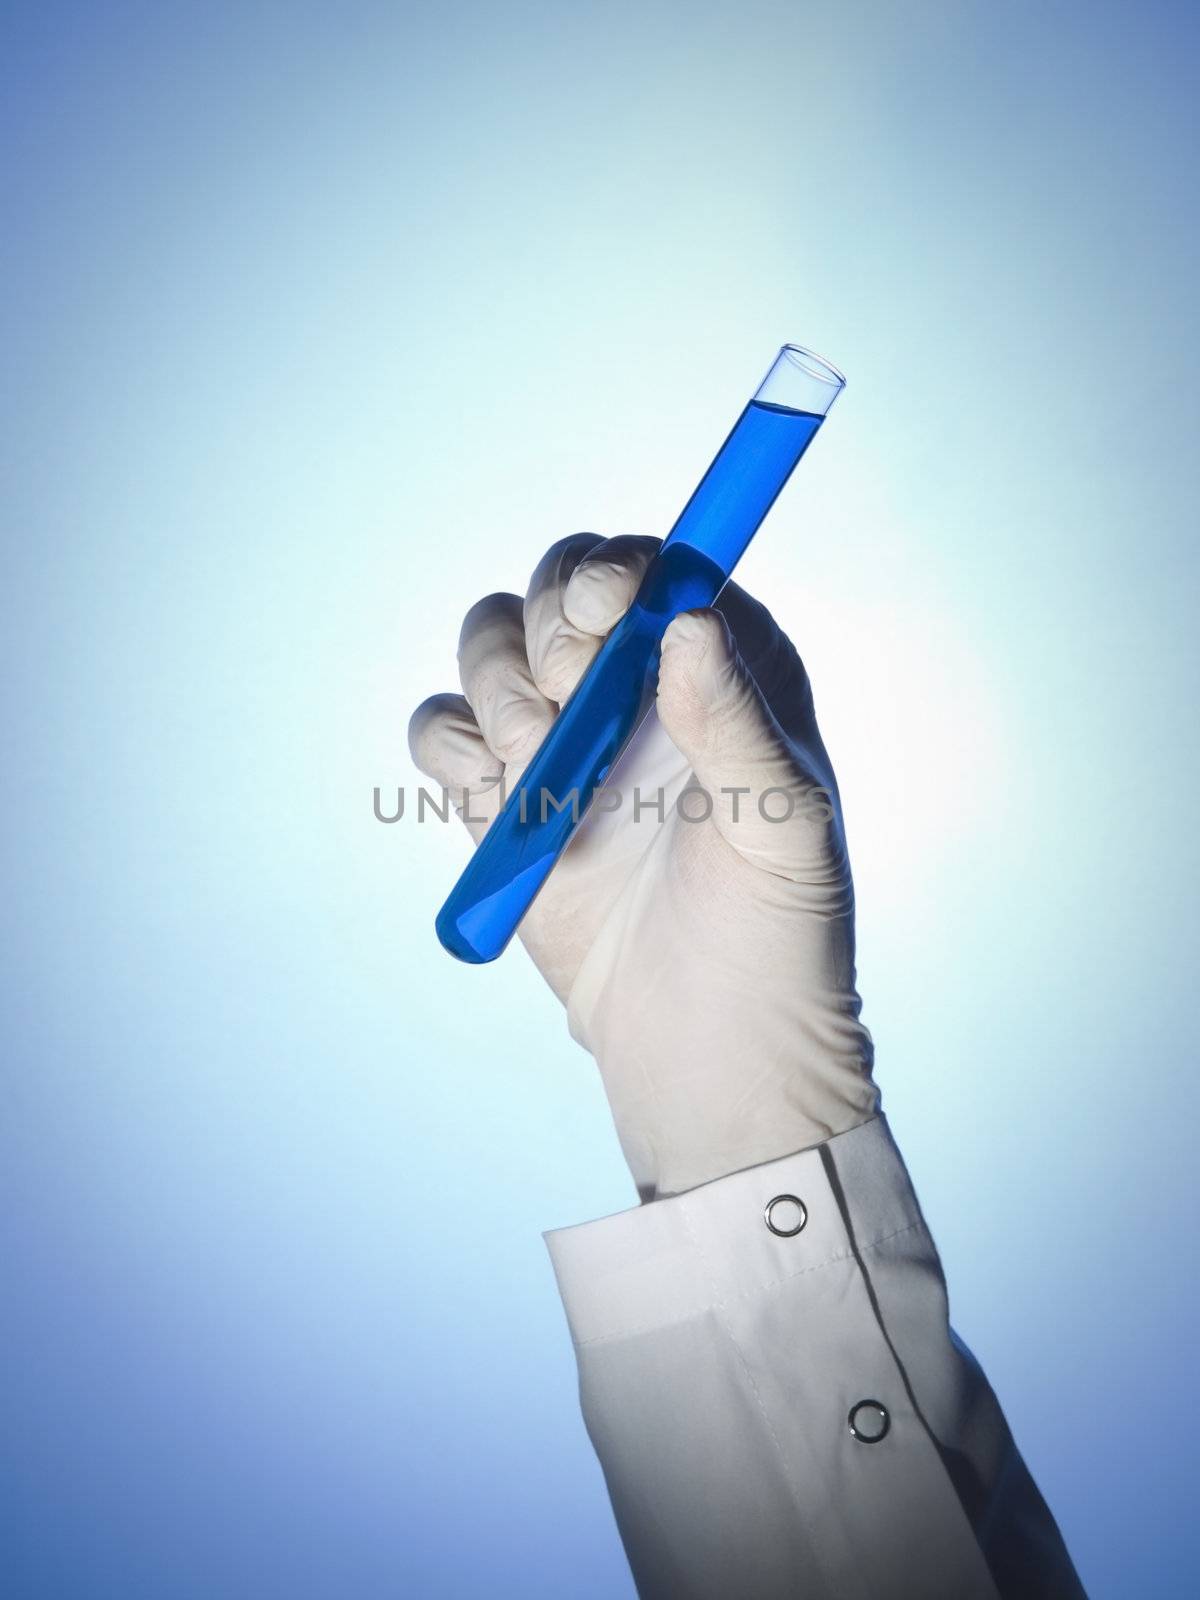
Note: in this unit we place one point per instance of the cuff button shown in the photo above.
(869, 1421)
(785, 1215)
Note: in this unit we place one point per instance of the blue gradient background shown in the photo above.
(320, 322)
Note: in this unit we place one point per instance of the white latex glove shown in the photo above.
(707, 965)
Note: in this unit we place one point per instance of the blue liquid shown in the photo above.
(602, 715)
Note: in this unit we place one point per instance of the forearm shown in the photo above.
(721, 1363)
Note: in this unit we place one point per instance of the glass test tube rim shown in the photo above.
(811, 363)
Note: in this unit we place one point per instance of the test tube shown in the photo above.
(539, 817)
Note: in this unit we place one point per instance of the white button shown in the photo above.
(785, 1215)
(869, 1421)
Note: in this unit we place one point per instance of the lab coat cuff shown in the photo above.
(671, 1260)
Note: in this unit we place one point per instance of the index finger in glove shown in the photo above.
(579, 590)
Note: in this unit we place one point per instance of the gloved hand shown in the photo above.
(703, 942)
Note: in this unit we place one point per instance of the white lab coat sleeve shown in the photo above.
(720, 1363)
